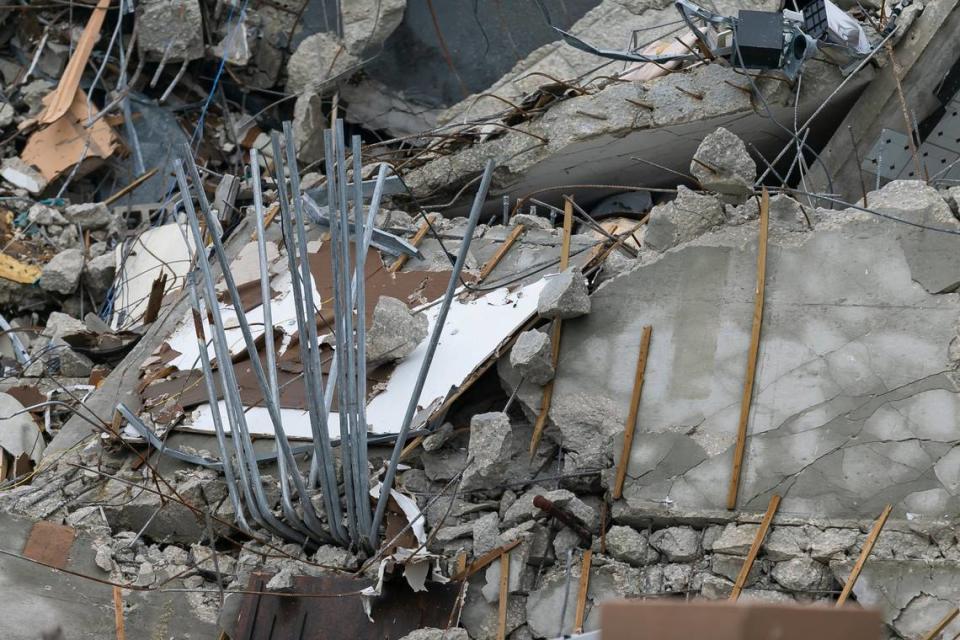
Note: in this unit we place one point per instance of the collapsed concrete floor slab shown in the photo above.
(635, 133)
(855, 398)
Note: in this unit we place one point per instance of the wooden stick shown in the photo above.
(864, 554)
(541, 422)
(631, 425)
(502, 251)
(118, 613)
(268, 217)
(947, 619)
(755, 548)
(567, 232)
(504, 594)
(130, 187)
(485, 559)
(584, 586)
(415, 241)
(752, 355)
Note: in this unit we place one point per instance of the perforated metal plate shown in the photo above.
(947, 132)
(890, 155)
(934, 160)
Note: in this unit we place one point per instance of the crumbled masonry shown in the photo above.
(208, 428)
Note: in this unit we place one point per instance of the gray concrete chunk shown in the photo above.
(630, 546)
(722, 164)
(395, 331)
(688, 216)
(62, 274)
(532, 356)
(89, 215)
(678, 544)
(564, 296)
(489, 449)
(801, 574)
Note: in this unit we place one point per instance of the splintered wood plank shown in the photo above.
(755, 548)
(556, 330)
(864, 554)
(584, 587)
(631, 424)
(752, 354)
(502, 251)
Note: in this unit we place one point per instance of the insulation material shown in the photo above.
(474, 331)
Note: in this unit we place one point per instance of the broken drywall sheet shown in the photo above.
(474, 331)
(166, 249)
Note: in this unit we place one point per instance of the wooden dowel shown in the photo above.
(502, 251)
(631, 424)
(485, 559)
(415, 241)
(504, 594)
(584, 587)
(864, 554)
(755, 548)
(130, 187)
(947, 619)
(752, 355)
(118, 613)
(541, 422)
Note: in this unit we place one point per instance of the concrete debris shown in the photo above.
(489, 435)
(317, 62)
(564, 296)
(43, 215)
(394, 333)
(723, 165)
(62, 274)
(532, 356)
(438, 634)
(630, 546)
(802, 574)
(483, 439)
(90, 215)
(172, 29)
(99, 272)
(688, 216)
(21, 175)
(678, 544)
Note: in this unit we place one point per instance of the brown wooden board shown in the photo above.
(50, 544)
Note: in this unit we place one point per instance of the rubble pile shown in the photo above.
(352, 317)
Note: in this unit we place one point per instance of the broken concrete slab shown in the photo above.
(837, 384)
(319, 60)
(489, 437)
(723, 165)
(564, 296)
(532, 356)
(394, 333)
(688, 216)
(89, 215)
(911, 597)
(22, 175)
(62, 274)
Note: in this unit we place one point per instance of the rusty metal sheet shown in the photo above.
(396, 613)
(50, 543)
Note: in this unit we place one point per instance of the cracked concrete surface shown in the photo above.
(855, 403)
